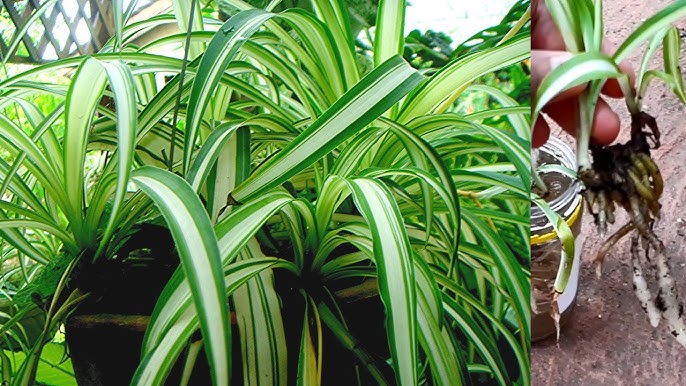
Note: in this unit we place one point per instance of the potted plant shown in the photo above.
(624, 174)
(279, 144)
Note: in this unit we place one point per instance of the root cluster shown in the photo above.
(625, 175)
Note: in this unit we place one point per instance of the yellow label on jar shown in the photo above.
(540, 239)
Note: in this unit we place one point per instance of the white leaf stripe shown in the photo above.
(258, 314)
(89, 81)
(197, 247)
(388, 37)
(123, 87)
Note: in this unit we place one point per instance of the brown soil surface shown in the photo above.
(609, 340)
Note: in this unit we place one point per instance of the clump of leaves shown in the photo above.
(622, 175)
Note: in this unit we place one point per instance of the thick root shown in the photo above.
(608, 244)
(641, 286)
(667, 301)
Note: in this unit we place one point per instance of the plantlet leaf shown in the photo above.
(581, 68)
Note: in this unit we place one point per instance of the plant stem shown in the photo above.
(587, 103)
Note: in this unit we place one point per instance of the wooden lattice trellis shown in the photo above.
(66, 28)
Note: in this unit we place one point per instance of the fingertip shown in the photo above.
(606, 124)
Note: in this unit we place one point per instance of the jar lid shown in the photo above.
(567, 204)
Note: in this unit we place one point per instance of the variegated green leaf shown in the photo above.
(258, 315)
(511, 272)
(232, 233)
(363, 103)
(158, 359)
(395, 271)
(220, 51)
(458, 74)
(310, 353)
(388, 37)
(446, 366)
(650, 27)
(86, 87)
(197, 246)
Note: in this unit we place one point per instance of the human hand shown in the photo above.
(547, 52)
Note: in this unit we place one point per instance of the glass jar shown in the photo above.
(564, 197)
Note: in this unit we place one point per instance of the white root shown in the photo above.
(641, 287)
(555, 314)
(666, 301)
(672, 310)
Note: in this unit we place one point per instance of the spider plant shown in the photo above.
(287, 178)
(622, 174)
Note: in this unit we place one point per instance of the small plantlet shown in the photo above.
(622, 175)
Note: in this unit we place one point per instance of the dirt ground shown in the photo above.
(609, 340)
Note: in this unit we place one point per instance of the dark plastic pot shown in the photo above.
(105, 333)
